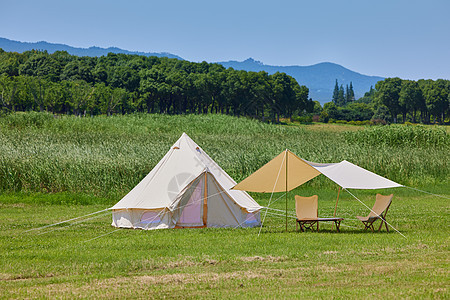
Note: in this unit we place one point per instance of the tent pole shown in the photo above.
(286, 190)
(335, 207)
(205, 200)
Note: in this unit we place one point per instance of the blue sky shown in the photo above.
(405, 38)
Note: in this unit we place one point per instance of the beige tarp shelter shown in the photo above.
(287, 171)
(272, 176)
(186, 189)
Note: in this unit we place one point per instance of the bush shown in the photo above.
(305, 119)
(378, 122)
(324, 117)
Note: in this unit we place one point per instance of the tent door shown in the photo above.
(192, 210)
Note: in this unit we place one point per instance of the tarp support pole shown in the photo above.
(286, 189)
(335, 207)
(205, 200)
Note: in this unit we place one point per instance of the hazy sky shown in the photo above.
(405, 38)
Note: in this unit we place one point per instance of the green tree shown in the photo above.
(410, 99)
(331, 110)
(41, 64)
(388, 93)
(368, 96)
(436, 98)
(80, 97)
(341, 96)
(335, 93)
(109, 99)
(351, 93)
(317, 108)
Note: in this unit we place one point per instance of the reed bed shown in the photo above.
(107, 156)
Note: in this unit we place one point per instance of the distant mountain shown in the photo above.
(15, 46)
(319, 78)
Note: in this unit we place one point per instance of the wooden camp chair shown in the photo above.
(379, 211)
(306, 209)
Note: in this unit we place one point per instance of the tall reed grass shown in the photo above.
(107, 156)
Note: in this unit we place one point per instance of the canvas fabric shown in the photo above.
(272, 176)
(188, 189)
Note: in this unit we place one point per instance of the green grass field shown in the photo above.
(54, 169)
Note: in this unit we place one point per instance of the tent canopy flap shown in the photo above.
(351, 176)
(272, 176)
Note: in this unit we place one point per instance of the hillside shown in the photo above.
(16, 46)
(319, 78)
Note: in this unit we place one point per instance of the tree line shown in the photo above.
(119, 84)
(391, 100)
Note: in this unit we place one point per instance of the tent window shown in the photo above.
(151, 217)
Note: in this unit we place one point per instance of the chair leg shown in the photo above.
(365, 226)
(383, 220)
(338, 224)
(371, 226)
(381, 224)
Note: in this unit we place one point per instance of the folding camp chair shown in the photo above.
(306, 209)
(381, 206)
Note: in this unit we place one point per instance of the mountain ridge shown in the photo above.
(17, 46)
(320, 78)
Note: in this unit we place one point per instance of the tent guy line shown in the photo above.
(271, 195)
(39, 228)
(437, 195)
(75, 223)
(104, 210)
(140, 221)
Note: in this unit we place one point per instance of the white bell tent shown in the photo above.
(186, 189)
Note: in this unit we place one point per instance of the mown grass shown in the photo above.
(225, 263)
(89, 163)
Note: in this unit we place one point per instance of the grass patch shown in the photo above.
(189, 263)
(54, 169)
